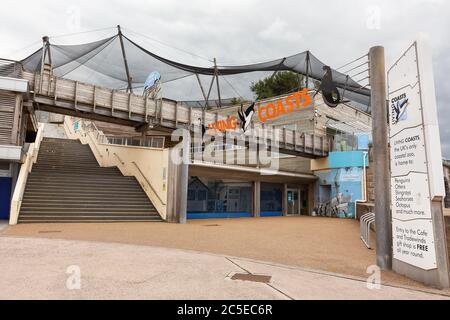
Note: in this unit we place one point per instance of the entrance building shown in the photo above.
(221, 191)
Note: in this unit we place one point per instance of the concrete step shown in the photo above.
(105, 218)
(82, 189)
(82, 183)
(68, 171)
(127, 196)
(26, 206)
(114, 220)
(93, 214)
(73, 171)
(59, 177)
(83, 211)
(85, 193)
(68, 185)
(75, 201)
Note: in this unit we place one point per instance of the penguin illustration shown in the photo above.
(400, 109)
(202, 126)
(330, 93)
(204, 129)
(246, 117)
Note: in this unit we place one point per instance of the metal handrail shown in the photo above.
(148, 182)
(93, 127)
(101, 138)
(118, 158)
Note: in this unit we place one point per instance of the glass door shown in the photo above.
(293, 200)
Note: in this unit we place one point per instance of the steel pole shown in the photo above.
(383, 223)
(125, 61)
(184, 176)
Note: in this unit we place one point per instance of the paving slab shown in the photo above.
(52, 269)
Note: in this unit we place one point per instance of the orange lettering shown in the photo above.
(297, 99)
(233, 122)
(306, 98)
(281, 109)
(290, 104)
(261, 118)
(272, 114)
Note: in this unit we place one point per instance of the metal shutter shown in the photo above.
(7, 105)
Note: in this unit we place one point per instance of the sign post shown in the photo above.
(380, 158)
(417, 182)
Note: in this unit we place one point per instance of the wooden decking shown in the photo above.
(70, 97)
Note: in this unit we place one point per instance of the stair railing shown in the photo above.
(143, 176)
(86, 127)
(25, 169)
(148, 183)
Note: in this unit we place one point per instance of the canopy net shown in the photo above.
(118, 62)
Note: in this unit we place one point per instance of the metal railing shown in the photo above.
(156, 142)
(148, 182)
(10, 68)
(366, 222)
(346, 142)
(86, 126)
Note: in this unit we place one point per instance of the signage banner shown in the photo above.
(416, 158)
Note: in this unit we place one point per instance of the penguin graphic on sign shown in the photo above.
(400, 111)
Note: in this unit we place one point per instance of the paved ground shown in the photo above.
(331, 245)
(42, 269)
(3, 225)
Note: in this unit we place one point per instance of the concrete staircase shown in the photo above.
(68, 185)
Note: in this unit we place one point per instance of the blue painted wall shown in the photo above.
(347, 159)
(344, 181)
(343, 177)
(5, 197)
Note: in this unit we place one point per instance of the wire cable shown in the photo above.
(358, 66)
(81, 32)
(23, 48)
(349, 63)
(232, 87)
(168, 45)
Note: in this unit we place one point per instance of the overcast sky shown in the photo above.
(245, 31)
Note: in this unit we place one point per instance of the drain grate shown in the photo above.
(251, 277)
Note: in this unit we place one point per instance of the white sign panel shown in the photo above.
(413, 243)
(408, 152)
(410, 197)
(414, 155)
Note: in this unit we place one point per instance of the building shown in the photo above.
(328, 186)
(18, 127)
(320, 161)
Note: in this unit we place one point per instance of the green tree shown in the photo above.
(237, 101)
(281, 83)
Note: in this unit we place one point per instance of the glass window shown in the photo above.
(191, 194)
(219, 196)
(201, 196)
(271, 197)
